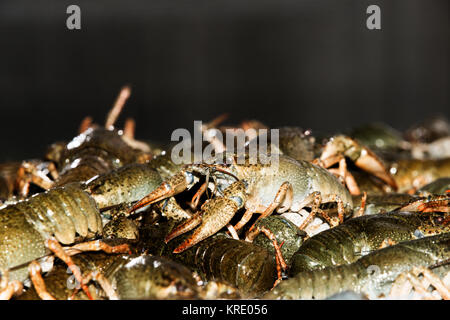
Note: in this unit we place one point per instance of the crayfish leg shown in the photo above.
(346, 177)
(104, 283)
(232, 231)
(436, 204)
(279, 274)
(434, 280)
(419, 286)
(245, 218)
(407, 281)
(29, 173)
(271, 236)
(97, 245)
(340, 207)
(400, 288)
(196, 198)
(317, 200)
(38, 282)
(284, 194)
(58, 250)
(9, 289)
(279, 260)
(350, 181)
(362, 208)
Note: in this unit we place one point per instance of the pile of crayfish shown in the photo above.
(363, 214)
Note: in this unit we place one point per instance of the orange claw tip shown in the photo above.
(164, 191)
(185, 245)
(138, 205)
(170, 236)
(179, 249)
(392, 182)
(167, 239)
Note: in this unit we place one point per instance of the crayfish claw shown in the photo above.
(175, 185)
(186, 226)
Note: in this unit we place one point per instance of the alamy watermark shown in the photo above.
(373, 270)
(249, 146)
(73, 21)
(373, 21)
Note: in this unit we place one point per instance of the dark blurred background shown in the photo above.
(309, 63)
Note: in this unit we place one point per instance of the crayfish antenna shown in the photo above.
(216, 121)
(114, 113)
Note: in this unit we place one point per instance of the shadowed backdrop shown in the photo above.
(285, 62)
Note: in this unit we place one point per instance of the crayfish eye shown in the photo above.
(418, 234)
(239, 201)
(189, 177)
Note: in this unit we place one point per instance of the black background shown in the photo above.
(285, 62)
